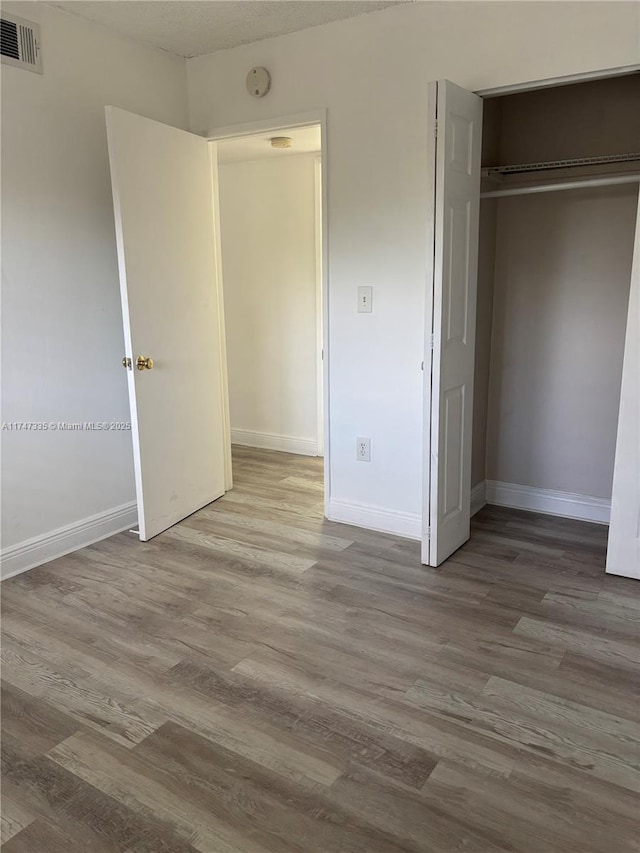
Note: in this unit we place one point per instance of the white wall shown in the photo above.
(371, 74)
(267, 220)
(62, 327)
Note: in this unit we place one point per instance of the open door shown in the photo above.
(623, 552)
(456, 117)
(163, 205)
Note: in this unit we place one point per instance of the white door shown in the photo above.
(455, 200)
(623, 552)
(163, 205)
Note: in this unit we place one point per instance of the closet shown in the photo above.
(559, 196)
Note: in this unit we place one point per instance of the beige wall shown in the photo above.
(562, 274)
(267, 218)
(491, 133)
(585, 120)
(484, 322)
(62, 335)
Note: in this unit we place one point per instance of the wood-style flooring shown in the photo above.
(258, 679)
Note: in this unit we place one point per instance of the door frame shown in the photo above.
(277, 125)
(489, 92)
(427, 363)
(320, 315)
(550, 82)
(222, 328)
(623, 547)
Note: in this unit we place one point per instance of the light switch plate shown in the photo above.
(365, 299)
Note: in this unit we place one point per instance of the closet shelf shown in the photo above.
(553, 175)
(549, 165)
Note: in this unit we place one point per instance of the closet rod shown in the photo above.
(564, 185)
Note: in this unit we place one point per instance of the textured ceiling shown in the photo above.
(194, 27)
(304, 140)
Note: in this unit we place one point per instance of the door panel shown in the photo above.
(452, 502)
(163, 205)
(455, 216)
(623, 553)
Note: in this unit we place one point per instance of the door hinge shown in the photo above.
(126, 363)
(435, 128)
(432, 340)
(427, 533)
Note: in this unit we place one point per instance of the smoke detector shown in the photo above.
(281, 142)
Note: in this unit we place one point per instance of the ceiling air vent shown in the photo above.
(20, 43)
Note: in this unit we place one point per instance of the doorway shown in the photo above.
(556, 243)
(170, 264)
(559, 189)
(270, 212)
(268, 188)
(559, 196)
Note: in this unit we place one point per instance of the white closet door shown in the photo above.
(623, 553)
(455, 217)
(163, 204)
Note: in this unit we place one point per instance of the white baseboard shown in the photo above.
(269, 441)
(41, 549)
(565, 504)
(478, 497)
(405, 524)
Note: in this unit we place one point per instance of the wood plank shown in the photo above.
(258, 803)
(15, 818)
(260, 679)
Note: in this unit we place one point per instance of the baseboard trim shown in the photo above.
(478, 497)
(548, 501)
(406, 524)
(41, 549)
(270, 441)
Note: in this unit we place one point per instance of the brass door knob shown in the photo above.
(142, 363)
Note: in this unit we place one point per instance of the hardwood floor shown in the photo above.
(258, 679)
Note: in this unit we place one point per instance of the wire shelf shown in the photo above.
(549, 165)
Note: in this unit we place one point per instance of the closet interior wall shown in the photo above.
(553, 288)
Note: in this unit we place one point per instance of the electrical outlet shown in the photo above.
(363, 449)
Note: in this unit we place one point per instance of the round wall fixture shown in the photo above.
(281, 142)
(258, 82)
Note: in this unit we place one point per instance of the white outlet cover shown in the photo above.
(363, 449)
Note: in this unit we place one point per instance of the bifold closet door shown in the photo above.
(623, 552)
(454, 204)
(163, 204)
